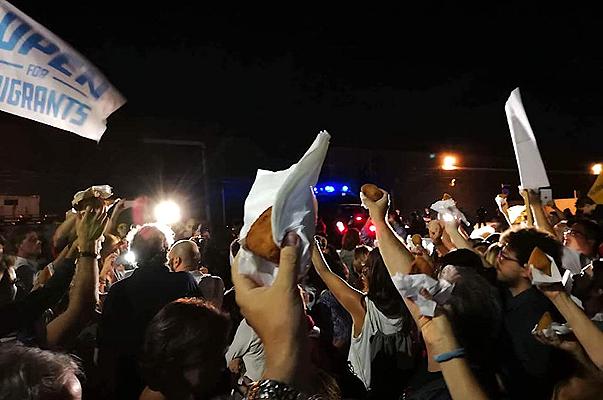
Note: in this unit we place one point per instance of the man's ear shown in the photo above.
(526, 272)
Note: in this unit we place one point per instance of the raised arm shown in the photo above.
(589, 336)
(460, 241)
(395, 254)
(440, 341)
(350, 298)
(84, 294)
(534, 204)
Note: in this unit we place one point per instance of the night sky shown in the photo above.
(409, 77)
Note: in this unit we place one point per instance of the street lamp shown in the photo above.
(596, 168)
(449, 163)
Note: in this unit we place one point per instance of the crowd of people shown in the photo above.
(83, 319)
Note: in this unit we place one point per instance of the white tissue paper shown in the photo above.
(515, 213)
(290, 194)
(540, 277)
(555, 329)
(102, 191)
(410, 286)
(426, 243)
(447, 208)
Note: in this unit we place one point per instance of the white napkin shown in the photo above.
(447, 208)
(515, 213)
(410, 286)
(540, 277)
(102, 191)
(289, 193)
(555, 329)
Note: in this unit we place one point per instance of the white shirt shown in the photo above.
(360, 348)
(247, 344)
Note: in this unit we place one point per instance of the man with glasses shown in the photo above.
(529, 366)
(584, 237)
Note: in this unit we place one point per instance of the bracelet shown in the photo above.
(270, 389)
(449, 355)
(89, 254)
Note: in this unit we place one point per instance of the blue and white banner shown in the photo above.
(44, 79)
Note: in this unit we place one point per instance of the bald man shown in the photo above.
(184, 256)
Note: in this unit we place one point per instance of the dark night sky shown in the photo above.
(408, 77)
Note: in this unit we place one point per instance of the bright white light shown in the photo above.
(167, 212)
(449, 163)
(340, 226)
(373, 228)
(130, 257)
(345, 189)
(329, 189)
(596, 169)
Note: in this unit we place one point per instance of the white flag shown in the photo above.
(531, 169)
(44, 79)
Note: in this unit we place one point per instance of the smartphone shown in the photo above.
(546, 195)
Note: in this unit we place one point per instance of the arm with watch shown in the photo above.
(83, 296)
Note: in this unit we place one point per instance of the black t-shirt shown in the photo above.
(530, 368)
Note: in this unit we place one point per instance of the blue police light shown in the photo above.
(332, 189)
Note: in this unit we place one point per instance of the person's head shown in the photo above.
(336, 265)
(184, 347)
(190, 226)
(25, 242)
(584, 236)
(518, 244)
(360, 257)
(585, 206)
(123, 228)
(184, 256)
(212, 290)
(435, 231)
(111, 244)
(381, 289)
(350, 239)
(588, 287)
(150, 244)
(583, 385)
(475, 313)
(471, 260)
(33, 373)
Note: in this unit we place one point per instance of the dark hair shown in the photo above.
(592, 230)
(524, 240)
(350, 239)
(17, 237)
(471, 260)
(335, 263)
(150, 245)
(185, 334)
(381, 289)
(475, 313)
(33, 373)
